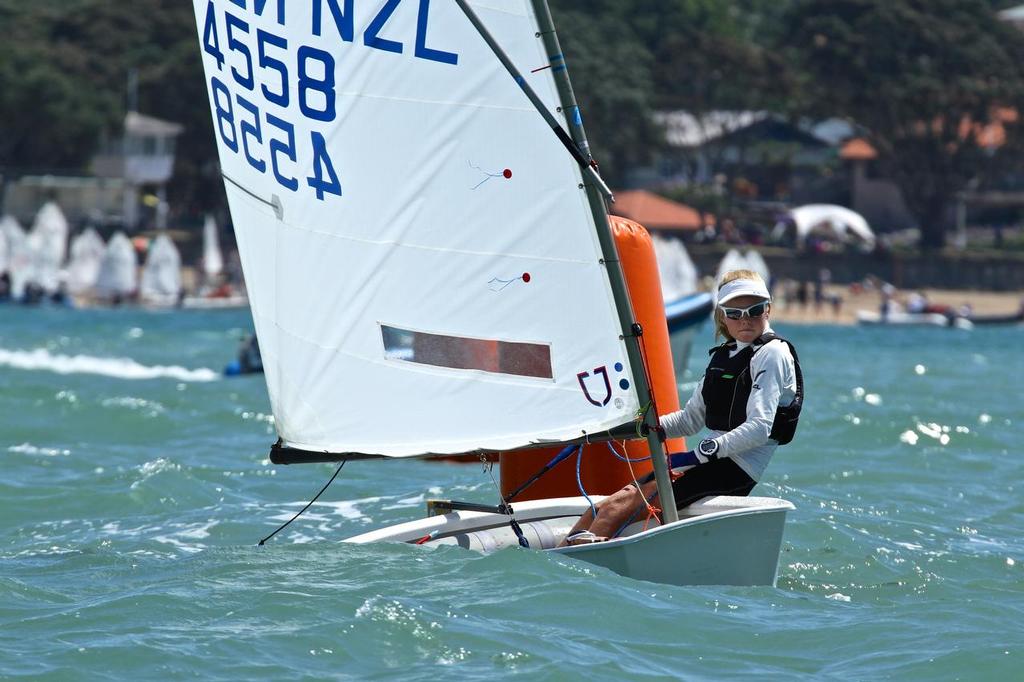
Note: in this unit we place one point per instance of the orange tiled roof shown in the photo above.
(656, 212)
(858, 149)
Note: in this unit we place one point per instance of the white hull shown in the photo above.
(214, 302)
(681, 343)
(717, 541)
(914, 319)
(685, 317)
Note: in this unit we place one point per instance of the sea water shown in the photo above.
(136, 485)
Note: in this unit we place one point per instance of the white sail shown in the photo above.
(422, 264)
(86, 254)
(161, 275)
(118, 276)
(213, 261)
(19, 256)
(733, 260)
(4, 256)
(755, 262)
(676, 270)
(48, 242)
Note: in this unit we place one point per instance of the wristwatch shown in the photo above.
(708, 448)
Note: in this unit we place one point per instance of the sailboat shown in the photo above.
(686, 308)
(117, 281)
(86, 251)
(160, 283)
(430, 267)
(215, 291)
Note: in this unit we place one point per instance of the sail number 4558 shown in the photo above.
(239, 120)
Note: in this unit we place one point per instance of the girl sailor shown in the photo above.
(749, 398)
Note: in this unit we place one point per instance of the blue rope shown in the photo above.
(579, 481)
(623, 457)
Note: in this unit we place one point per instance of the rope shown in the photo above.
(647, 372)
(579, 482)
(625, 459)
(652, 511)
(516, 528)
(286, 524)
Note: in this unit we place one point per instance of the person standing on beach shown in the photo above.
(750, 398)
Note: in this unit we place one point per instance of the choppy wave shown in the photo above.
(118, 368)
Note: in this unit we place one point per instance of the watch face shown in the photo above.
(708, 447)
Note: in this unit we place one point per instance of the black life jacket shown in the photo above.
(727, 386)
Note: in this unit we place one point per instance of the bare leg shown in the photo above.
(613, 511)
(619, 507)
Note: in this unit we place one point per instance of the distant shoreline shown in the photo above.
(981, 302)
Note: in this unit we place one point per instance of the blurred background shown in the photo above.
(712, 120)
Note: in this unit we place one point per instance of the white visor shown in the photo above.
(742, 287)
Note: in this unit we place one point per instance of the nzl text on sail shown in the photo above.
(253, 44)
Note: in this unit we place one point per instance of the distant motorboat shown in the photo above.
(873, 317)
(1012, 318)
(938, 317)
(215, 302)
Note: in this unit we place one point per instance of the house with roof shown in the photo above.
(760, 155)
(659, 214)
(142, 159)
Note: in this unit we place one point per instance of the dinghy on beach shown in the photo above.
(431, 269)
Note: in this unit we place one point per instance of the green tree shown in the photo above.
(64, 66)
(612, 78)
(919, 76)
(49, 114)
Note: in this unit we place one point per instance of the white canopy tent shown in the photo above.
(833, 222)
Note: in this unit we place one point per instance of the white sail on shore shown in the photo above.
(161, 275)
(19, 256)
(86, 254)
(737, 260)
(48, 243)
(422, 263)
(118, 276)
(676, 270)
(213, 261)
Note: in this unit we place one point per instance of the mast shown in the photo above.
(597, 194)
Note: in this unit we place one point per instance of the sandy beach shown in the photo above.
(981, 302)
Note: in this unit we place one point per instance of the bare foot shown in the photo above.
(583, 537)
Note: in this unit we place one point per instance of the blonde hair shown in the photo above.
(721, 331)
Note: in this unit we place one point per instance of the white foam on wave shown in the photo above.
(118, 368)
(29, 449)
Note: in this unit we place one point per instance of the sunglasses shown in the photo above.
(756, 310)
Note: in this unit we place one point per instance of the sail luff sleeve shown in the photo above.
(630, 329)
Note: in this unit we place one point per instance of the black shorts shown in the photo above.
(717, 477)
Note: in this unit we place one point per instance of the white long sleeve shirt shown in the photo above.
(773, 371)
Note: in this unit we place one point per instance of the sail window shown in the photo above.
(458, 352)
